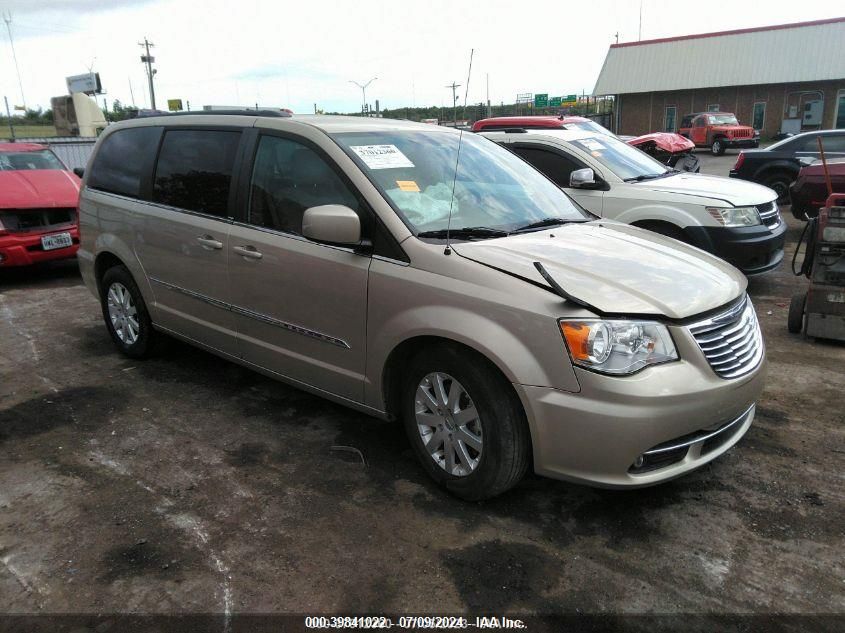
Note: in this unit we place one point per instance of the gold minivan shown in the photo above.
(425, 275)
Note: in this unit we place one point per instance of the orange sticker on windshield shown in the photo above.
(408, 185)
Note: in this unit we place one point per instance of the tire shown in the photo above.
(718, 147)
(795, 320)
(779, 181)
(125, 313)
(489, 444)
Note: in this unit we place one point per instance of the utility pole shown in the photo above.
(7, 18)
(640, 31)
(489, 112)
(363, 88)
(617, 37)
(148, 60)
(454, 87)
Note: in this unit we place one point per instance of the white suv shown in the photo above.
(737, 221)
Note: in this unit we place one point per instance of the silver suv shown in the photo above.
(426, 275)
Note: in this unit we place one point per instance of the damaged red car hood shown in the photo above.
(38, 188)
(666, 141)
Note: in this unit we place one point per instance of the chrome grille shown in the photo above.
(769, 214)
(731, 342)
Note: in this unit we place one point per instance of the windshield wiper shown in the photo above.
(642, 177)
(466, 232)
(539, 224)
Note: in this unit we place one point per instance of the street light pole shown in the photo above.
(363, 88)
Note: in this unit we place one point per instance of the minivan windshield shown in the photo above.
(40, 159)
(627, 162)
(495, 191)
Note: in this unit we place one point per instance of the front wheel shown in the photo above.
(718, 147)
(464, 422)
(125, 313)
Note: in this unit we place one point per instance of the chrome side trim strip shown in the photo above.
(258, 316)
(702, 438)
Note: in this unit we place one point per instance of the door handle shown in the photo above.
(248, 252)
(209, 243)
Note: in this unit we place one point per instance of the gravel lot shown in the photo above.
(186, 483)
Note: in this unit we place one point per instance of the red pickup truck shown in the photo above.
(718, 131)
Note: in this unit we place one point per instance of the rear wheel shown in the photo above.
(779, 182)
(718, 147)
(125, 313)
(795, 320)
(464, 422)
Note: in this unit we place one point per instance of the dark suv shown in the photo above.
(777, 166)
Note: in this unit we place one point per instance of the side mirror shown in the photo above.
(333, 224)
(79, 171)
(582, 178)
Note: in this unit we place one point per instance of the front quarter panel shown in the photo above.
(511, 322)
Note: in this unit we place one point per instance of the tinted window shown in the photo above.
(288, 178)
(121, 160)
(194, 170)
(555, 166)
(830, 142)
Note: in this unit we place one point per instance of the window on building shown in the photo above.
(194, 170)
(758, 118)
(713, 107)
(288, 178)
(121, 160)
(839, 123)
(669, 118)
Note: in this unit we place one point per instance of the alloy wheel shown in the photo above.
(123, 314)
(448, 424)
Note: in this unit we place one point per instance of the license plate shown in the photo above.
(58, 240)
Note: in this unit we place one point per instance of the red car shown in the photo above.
(809, 191)
(38, 196)
(669, 148)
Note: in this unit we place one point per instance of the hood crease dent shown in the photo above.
(615, 268)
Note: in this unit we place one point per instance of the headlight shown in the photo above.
(617, 347)
(738, 216)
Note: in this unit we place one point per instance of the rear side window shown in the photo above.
(121, 160)
(556, 167)
(194, 170)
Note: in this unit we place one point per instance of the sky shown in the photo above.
(298, 54)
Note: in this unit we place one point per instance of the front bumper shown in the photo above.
(596, 436)
(753, 249)
(744, 143)
(24, 249)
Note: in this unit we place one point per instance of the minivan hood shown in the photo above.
(731, 190)
(617, 268)
(38, 188)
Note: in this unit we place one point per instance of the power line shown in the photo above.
(7, 18)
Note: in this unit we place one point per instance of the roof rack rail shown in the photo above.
(244, 112)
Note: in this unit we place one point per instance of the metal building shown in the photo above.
(789, 77)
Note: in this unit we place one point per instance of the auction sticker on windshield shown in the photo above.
(382, 156)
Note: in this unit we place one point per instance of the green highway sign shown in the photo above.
(555, 102)
(541, 100)
(570, 100)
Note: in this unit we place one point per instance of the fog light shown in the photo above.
(639, 462)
